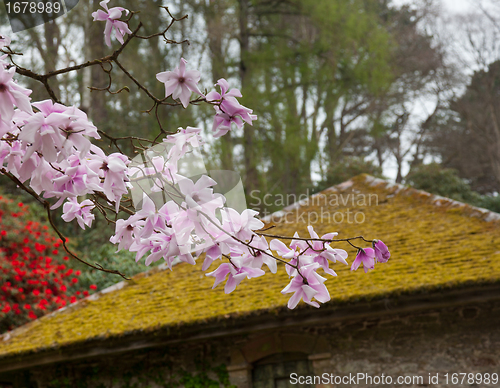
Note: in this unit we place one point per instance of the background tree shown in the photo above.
(468, 137)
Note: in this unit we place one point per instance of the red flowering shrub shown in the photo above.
(33, 278)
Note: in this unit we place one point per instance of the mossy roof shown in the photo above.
(435, 244)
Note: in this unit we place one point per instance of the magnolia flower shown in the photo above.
(213, 253)
(382, 253)
(81, 211)
(314, 288)
(365, 256)
(113, 169)
(264, 255)
(226, 98)
(125, 233)
(11, 94)
(78, 179)
(180, 83)
(111, 17)
(241, 225)
(283, 250)
(57, 131)
(151, 216)
(229, 110)
(200, 195)
(183, 141)
(237, 271)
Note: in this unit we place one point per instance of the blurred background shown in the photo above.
(405, 90)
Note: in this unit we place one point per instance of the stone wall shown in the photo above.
(420, 346)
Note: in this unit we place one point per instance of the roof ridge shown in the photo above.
(436, 200)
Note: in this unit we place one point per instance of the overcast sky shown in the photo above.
(456, 6)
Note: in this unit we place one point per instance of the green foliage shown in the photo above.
(200, 380)
(442, 181)
(106, 255)
(145, 377)
(435, 179)
(489, 202)
(305, 60)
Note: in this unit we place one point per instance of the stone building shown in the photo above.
(429, 317)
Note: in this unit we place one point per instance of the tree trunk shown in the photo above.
(249, 153)
(495, 154)
(97, 109)
(214, 14)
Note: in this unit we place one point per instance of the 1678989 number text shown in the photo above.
(32, 7)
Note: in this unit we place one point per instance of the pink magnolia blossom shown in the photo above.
(151, 217)
(11, 94)
(78, 178)
(283, 250)
(382, 253)
(322, 252)
(111, 17)
(229, 110)
(159, 244)
(113, 169)
(365, 256)
(42, 134)
(212, 254)
(237, 271)
(180, 83)
(125, 233)
(81, 211)
(291, 254)
(183, 141)
(73, 127)
(263, 255)
(57, 131)
(306, 286)
(225, 97)
(200, 195)
(11, 156)
(241, 225)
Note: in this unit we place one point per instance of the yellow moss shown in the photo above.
(432, 247)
